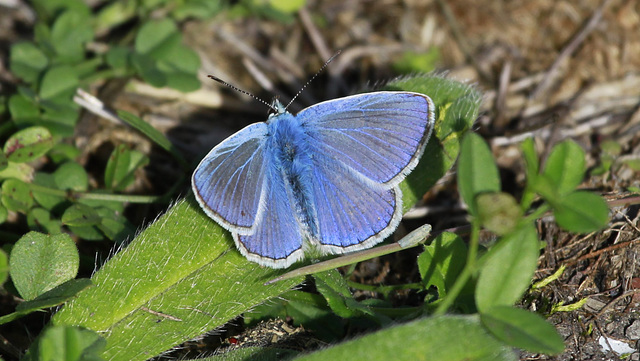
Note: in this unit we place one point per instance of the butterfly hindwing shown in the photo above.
(277, 238)
(229, 181)
(352, 212)
(381, 135)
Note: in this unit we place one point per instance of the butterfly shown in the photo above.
(326, 178)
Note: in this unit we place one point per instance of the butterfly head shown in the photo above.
(277, 107)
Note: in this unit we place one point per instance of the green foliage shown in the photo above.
(66, 343)
(412, 62)
(40, 262)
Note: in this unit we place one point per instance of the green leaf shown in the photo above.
(118, 57)
(80, 215)
(565, 166)
(412, 62)
(270, 353)
(59, 83)
(522, 329)
(24, 111)
(40, 219)
(71, 175)
(20, 171)
(508, 268)
(477, 171)
(42, 196)
(41, 262)
(147, 67)
(56, 296)
(69, 33)
(180, 68)
(62, 120)
(27, 61)
(51, 298)
(114, 225)
(455, 338)
(336, 291)
(50, 8)
(123, 162)
(442, 261)
(62, 152)
(157, 38)
(199, 9)
(498, 212)
(16, 196)
(4, 162)
(66, 343)
(4, 267)
(151, 133)
(581, 212)
(28, 144)
(171, 267)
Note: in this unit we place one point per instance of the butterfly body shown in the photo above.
(326, 177)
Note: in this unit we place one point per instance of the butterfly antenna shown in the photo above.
(313, 77)
(244, 91)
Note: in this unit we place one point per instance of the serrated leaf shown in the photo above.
(28, 144)
(41, 262)
(522, 329)
(581, 212)
(565, 166)
(477, 171)
(508, 268)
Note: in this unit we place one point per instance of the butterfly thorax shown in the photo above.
(293, 159)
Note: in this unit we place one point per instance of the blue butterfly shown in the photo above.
(326, 178)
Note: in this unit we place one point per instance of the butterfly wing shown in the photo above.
(229, 183)
(363, 146)
(277, 238)
(351, 211)
(380, 135)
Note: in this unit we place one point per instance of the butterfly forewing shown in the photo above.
(229, 182)
(380, 135)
